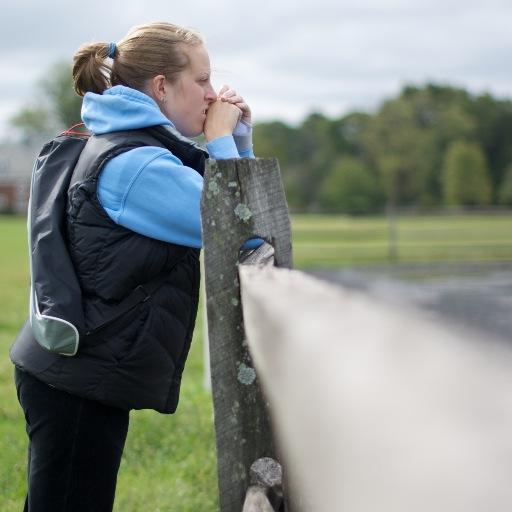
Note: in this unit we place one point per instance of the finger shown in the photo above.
(228, 94)
(237, 108)
(234, 99)
(246, 113)
(243, 106)
(235, 111)
(223, 89)
(230, 106)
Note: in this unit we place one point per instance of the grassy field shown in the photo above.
(169, 461)
(331, 241)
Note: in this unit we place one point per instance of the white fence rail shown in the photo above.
(377, 407)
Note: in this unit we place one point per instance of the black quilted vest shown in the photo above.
(135, 362)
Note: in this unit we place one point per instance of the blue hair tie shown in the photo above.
(112, 48)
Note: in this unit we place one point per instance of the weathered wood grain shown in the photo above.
(241, 199)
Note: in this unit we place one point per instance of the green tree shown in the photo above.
(58, 108)
(466, 179)
(348, 133)
(505, 194)
(407, 138)
(33, 123)
(63, 102)
(350, 187)
(405, 143)
(315, 149)
(306, 153)
(276, 139)
(494, 133)
(395, 144)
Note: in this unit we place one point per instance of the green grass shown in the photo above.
(169, 461)
(331, 241)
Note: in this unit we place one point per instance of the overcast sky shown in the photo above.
(286, 57)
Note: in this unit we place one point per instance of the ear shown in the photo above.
(157, 87)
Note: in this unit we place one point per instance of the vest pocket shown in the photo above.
(143, 376)
(114, 341)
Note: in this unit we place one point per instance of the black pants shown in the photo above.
(75, 448)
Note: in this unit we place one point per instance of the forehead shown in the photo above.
(199, 59)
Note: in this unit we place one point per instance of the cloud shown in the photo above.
(287, 58)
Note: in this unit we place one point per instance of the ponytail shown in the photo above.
(91, 71)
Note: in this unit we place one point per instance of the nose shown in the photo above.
(210, 95)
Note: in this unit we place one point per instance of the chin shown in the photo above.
(190, 132)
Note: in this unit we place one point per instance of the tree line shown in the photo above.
(431, 146)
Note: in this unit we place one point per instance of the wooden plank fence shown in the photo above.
(378, 406)
(374, 405)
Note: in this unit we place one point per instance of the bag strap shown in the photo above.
(140, 294)
(78, 130)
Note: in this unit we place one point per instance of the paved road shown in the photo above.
(479, 295)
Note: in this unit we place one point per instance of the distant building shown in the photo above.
(16, 162)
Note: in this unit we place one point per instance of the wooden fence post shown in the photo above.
(242, 198)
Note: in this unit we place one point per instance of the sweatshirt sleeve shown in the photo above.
(242, 136)
(222, 148)
(231, 146)
(148, 190)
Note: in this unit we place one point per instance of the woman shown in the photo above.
(132, 219)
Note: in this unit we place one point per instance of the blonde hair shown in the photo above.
(149, 50)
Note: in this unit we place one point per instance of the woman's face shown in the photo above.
(189, 97)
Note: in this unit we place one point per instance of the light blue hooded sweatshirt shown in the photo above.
(147, 189)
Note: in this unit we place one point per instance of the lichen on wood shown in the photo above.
(242, 198)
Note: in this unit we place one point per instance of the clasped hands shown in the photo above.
(224, 114)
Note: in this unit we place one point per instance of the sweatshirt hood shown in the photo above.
(120, 108)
